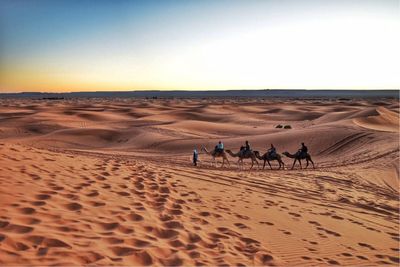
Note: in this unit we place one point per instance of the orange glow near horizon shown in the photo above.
(310, 46)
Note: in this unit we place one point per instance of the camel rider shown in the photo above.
(272, 151)
(247, 146)
(303, 150)
(220, 147)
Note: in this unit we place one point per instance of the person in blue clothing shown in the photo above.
(303, 151)
(272, 151)
(219, 148)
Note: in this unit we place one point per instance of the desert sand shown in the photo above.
(110, 182)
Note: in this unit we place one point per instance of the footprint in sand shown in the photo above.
(264, 259)
(267, 223)
(109, 226)
(113, 240)
(17, 229)
(173, 225)
(165, 217)
(27, 210)
(139, 243)
(193, 238)
(29, 221)
(243, 217)
(314, 223)
(143, 258)
(94, 193)
(176, 243)
(38, 203)
(135, 217)
(42, 196)
(97, 203)
(172, 261)
(333, 262)
(373, 229)
(123, 193)
(165, 233)
(394, 236)
(122, 251)
(366, 246)
(241, 226)
(74, 206)
(296, 216)
(204, 213)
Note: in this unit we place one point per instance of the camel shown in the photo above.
(267, 158)
(243, 154)
(298, 157)
(216, 154)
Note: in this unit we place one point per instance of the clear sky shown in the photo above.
(71, 45)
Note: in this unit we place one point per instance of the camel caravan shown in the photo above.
(246, 152)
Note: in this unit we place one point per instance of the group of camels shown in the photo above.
(254, 155)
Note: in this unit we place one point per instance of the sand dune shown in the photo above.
(109, 182)
(385, 120)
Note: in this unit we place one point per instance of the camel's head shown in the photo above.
(256, 152)
(228, 150)
(285, 153)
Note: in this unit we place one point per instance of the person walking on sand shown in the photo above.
(195, 156)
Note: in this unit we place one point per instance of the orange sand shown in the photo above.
(109, 182)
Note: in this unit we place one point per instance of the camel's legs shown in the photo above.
(307, 163)
(265, 161)
(312, 163)
(269, 164)
(301, 167)
(227, 161)
(223, 161)
(309, 159)
(294, 163)
(252, 164)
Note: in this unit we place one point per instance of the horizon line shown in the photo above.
(189, 90)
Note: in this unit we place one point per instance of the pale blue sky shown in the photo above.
(127, 45)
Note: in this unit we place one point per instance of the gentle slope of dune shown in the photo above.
(386, 121)
(110, 182)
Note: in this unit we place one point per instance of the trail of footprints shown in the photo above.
(129, 232)
(40, 229)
